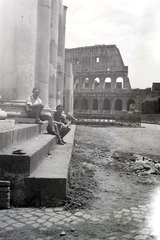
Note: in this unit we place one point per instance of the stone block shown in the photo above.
(7, 124)
(4, 189)
(4, 194)
(4, 183)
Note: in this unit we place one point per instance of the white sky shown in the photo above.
(132, 25)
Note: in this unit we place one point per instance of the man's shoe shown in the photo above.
(63, 141)
(60, 143)
(38, 121)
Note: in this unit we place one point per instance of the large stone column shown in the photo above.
(53, 52)
(43, 49)
(61, 55)
(17, 49)
(69, 89)
(63, 48)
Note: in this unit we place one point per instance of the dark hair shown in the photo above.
(35, 88)
(59, 107)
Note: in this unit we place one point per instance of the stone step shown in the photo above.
(16, 167)
(31, 153)
(19, 133)
(47, 185)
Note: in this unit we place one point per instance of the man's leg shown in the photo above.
(55, 131)
(38, 111)
(35, 113)
(58, 135)
(63, 132)
(48, 117)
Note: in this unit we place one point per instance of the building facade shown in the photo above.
(101, 83)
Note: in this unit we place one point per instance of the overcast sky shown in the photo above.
(132, 25)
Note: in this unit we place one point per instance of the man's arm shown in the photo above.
(30, 105)
(56, 120)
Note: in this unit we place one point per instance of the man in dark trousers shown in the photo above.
(34, 108)
(62, 123)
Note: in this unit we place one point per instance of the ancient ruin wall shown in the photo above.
(99, 61)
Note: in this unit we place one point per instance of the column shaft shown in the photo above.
(69, 89)
(53, 52)
(18, 46)
(43, 49)
(61, 52)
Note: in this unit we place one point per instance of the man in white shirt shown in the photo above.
(34, 108)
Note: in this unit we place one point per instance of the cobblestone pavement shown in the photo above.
(140, 221)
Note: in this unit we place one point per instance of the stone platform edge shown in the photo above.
(47, 185)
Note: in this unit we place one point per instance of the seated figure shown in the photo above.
(34, 108)
(61, 121)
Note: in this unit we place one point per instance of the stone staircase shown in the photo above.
(35, 165)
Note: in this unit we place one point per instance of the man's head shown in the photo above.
(59, 109)
(36, 92)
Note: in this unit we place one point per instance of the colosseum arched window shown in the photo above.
(118, 104)
(96, 83)
(95, 104)
(84, 104)
(119, 83)
(86, 83)
(76, 84)
(75, 104)
(107, 83)
(130, 104)
(106, 104)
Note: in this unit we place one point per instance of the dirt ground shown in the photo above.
(111, 168)
(113, 163)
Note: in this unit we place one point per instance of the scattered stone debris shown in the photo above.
(63, 233)
(72, 229)
(142, 165)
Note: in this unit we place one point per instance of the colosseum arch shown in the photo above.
(119, 83)
(75, 106)
(118, 104)
(106, 104)
(86, 83)
(129, 102)
(84, 104)
(95, 104)
(96, 83)
(107, 83)
(76, 83)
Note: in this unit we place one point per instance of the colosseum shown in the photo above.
(101, 83)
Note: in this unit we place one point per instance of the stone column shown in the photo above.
(43, 49)
(63, 48)
(61, 55)
(69, 89)
(53, 53)
(17, 49)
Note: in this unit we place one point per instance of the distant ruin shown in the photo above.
(101, 83)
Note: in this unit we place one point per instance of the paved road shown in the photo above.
(142, 218)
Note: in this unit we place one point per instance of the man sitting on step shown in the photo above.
(63, 126)
(34, 108)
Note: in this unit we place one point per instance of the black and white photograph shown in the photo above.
(79, 120)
